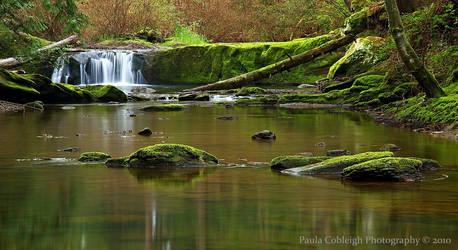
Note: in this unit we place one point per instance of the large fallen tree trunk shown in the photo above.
(411, 60)
(17, 61)
(355, 24)
(277, 67)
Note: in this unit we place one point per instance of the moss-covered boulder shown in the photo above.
(385, 169)
(31, 87)
(36, 105)
(251, 91)
(106, 93)
(337, 164)
(427, 164)
(293, 161)
(362, 55)
(94, 156)
(207, 63)
(164, 107)
(166, 155)
(204, 97)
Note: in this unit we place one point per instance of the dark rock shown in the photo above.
(338, 152)
(36, 105)
(265, 134)
(390, 147)
(226, 118)
(202, 97)
(385, 169)
(116, 162)
(187, 97)
(145, 131)
(427, 164)
(93, 156)
(74, 149)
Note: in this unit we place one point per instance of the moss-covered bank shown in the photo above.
(199, 64)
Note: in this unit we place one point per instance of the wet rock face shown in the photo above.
(116, 162)
(93, 156)
(386, 169)
(169, 155)
(264, 135)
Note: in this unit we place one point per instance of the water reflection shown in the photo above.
(169, 176)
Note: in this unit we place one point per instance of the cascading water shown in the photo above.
(115, 67)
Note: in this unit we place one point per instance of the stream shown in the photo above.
(49, 200)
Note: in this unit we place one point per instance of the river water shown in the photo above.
(61, 204)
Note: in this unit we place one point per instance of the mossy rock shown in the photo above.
(37, 105)
(427, 164)
(31, 87)
(116, 162)
(367, 82)
(362, 55)
(385, 169)
(165, 155)
(208, 63)
(293, 161)
(203, 97)
(94, 156)
(337, 164)
(264, 100)
(106, 93)
(251, 91)
(164, 107)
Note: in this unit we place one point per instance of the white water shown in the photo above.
(114, 67)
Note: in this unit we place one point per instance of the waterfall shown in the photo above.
(115, 67)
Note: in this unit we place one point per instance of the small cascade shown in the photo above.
(116, 67)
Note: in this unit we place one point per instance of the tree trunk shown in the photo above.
(17, 61)
(277, 67)
(425, 78)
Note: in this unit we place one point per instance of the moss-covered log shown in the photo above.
(411, 60)
(278, 67)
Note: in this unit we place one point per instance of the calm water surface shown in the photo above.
(61, 204)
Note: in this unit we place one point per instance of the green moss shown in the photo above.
(357, 22)
(35, 105)
(251, 91)
(199, 64)
(164, 107)
(163, 155)
(94, 156)
(203, 97)
(337, 164)
(305, 98)
(293, 161)
(106, 93)
(423, 111)
(386, 169)
(360, 57)
(264, 100)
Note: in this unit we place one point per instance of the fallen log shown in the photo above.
(17, 61)
(269, 70)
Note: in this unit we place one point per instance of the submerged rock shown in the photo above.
(74, 149)
(427, 164)
(226, 118)
(265, 134)
(164, 107)
(390, 147)
(36, 105)
(337, 164)
(145, 131)
(385, 169)
(94, 156)
(338, 152)
(293, 161)
(164, 155)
